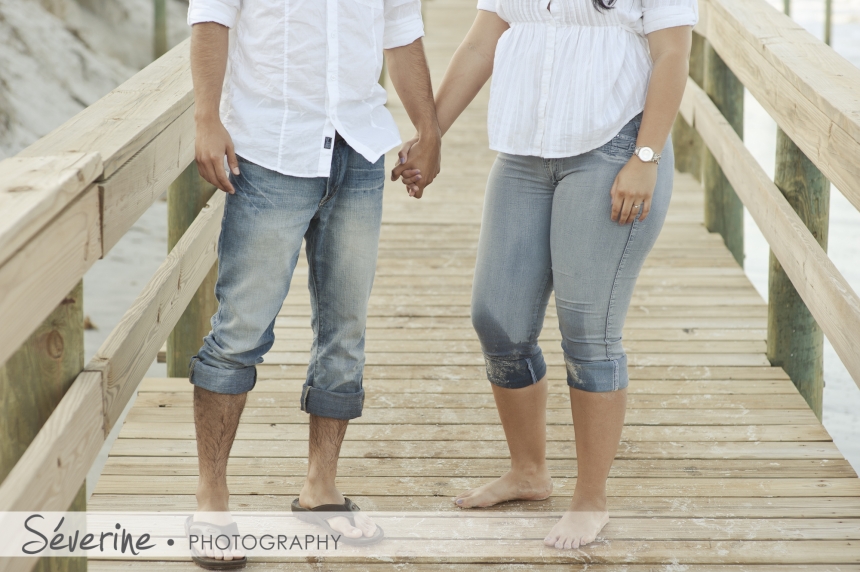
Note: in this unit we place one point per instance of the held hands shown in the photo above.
(634, 186)
(420, 162)
(213, 143)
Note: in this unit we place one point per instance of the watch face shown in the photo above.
(646, 154)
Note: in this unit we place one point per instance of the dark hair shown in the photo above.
(602, 5)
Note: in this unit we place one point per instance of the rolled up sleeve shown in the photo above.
(661, 14)
(224, 12)
(403, 23)
(487, 5)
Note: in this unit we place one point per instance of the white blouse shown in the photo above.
(568, 77)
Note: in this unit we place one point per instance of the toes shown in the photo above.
(367, 526)
(342, 525)
(551, 539)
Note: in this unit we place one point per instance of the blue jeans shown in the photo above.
(261, 235)
(546, 226)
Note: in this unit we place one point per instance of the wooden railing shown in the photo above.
(813, 94)
(67, 200)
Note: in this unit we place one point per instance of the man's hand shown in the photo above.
(208, 64)
(420, 162)
(213, 144)
(410, 76)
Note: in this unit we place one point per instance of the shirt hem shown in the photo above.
(567, 152)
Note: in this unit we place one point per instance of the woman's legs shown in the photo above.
(523, 415)
(595, 266)
(597, 421)
(513, 281)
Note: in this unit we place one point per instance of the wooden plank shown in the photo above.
(381, 400)
(386, 386)
(808, 88)
(38, 276)
(118, 565)
(493, 432)
(125, 120)
(825, 291)
(702, 507)
(128, 352)
(532, 551)
(488, 449)
(51, 471)
(35, 189)
(490, 468)
(465, 416)
(617, 487)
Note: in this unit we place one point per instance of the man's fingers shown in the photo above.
(232, 161)
(221, 175)
(205, 171)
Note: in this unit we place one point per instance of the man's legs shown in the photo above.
(261, 236)
(342, 244)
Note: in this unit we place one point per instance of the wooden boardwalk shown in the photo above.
(721, 460)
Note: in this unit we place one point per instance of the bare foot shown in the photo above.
(312, 497)
(508, 487)
(579, 526)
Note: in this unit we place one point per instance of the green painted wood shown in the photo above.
(32, 383)
(160, 33)
(686, 141)
(724, 211)
(185, 199)
(795, 342)
(828, 22)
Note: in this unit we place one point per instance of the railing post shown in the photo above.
(686, 141)
(159, 44)
(724, 211)
(32, 383)
(185, 199)
(795, 342)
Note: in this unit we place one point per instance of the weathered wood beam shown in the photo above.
(795, 341)
(724, 212)
(187, 197)
(128, 352)
(829, 297)
(809, 89)
(37, 277)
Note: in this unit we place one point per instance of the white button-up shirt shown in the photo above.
(299, 70)
(568, 77)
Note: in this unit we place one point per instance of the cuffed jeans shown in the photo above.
(546, 226)
(261, 235)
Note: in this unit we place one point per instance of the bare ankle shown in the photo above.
(593, 501)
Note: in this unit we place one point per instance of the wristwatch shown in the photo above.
(647, 155)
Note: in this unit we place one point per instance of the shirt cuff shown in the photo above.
(212, 11)
(668, 17)
(402, 32)
(487, 5)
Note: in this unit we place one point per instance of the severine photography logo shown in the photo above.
(115, 535)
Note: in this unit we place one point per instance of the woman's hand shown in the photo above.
(634, 186)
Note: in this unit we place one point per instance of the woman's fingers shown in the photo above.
(645, 210)
(626, 207)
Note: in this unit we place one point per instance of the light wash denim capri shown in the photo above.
(264, 223)
(546, 226)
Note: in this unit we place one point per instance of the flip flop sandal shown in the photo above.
(317, 516)
(200, 529)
